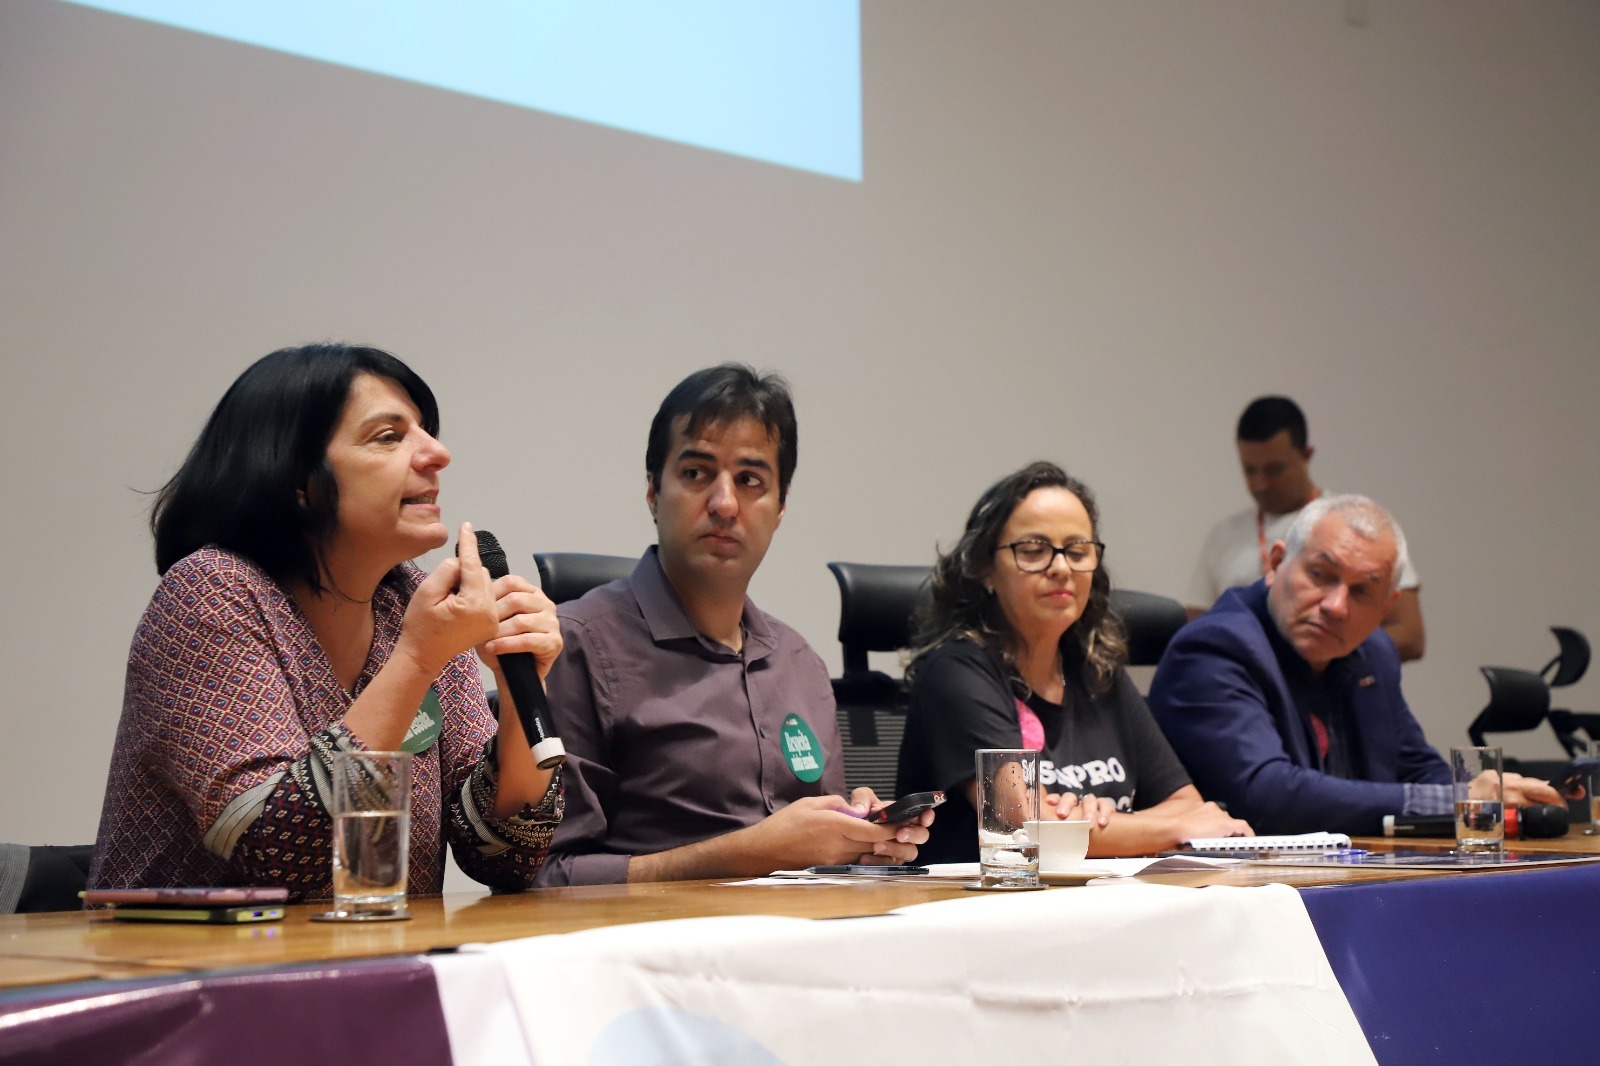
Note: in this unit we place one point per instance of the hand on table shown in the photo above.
(1085, 808)
(824, 830)
(1525, 791)
(1209, 820)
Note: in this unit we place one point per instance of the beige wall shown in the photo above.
(1088, 232)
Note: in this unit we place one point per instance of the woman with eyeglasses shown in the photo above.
(1019, 649)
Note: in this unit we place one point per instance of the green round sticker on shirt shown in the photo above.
(802, 749)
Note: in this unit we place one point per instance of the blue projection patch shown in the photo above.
(775, 80)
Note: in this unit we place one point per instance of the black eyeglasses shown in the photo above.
(1037, 556)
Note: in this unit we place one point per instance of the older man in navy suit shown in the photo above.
(1284, 699)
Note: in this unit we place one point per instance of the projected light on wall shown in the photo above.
(775, 80)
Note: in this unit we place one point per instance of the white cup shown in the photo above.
(1062, 844)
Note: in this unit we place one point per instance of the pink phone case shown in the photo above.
(205, 897)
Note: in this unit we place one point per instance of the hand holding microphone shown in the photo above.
(525, 646)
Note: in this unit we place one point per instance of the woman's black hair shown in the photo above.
(257, 482)
(962, 606)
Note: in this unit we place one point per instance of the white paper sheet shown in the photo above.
(1096, 868)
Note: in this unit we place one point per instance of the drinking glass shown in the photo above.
(371, 834)
(1008, 798)
(1476, 774)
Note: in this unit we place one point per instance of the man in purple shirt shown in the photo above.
(700, 731)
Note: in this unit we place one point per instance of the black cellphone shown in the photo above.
(869, 871)
(906, 808)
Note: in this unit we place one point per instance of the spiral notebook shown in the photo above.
(1265, 845)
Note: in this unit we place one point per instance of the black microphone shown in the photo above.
(1537, 821)
(522, 674)
(1419, 825)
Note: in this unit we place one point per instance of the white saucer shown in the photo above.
(1071, 875)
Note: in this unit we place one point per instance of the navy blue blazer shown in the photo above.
(1226, 701)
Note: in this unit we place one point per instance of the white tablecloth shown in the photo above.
(1138, 974)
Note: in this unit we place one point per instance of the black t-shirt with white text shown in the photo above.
(1106, 746)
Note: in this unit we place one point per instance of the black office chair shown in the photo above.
(1519, 700)
(876, 604)
(568, 575)
(43, 877)
(1567, 668)
(1150, 621)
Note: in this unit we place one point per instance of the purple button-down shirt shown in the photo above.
(673, 738)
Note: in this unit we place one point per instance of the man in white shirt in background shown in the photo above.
(1275, 455)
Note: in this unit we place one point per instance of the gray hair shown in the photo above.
(1367, 517)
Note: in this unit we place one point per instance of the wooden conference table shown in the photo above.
(38, 949)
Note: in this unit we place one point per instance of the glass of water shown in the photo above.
(1008, 799)
(371, 834)
(1476, 774)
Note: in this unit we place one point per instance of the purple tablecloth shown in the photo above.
(1499, 968)
(371, 1010)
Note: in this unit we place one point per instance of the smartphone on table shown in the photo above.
(208, 906)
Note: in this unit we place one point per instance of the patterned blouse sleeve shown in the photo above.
(503, 853)
(222, 730)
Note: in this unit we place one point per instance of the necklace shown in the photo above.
(1060, 678)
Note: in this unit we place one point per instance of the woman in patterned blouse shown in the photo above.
(289, 624)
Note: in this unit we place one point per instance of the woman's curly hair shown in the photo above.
(962, 606)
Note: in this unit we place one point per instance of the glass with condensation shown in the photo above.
(1008, 799)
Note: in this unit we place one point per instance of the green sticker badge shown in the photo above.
(424, 731)
(801, 748)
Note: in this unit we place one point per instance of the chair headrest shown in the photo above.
(1570, 665)
(1518, 701)
(876, 603)
(1151, 622)
(568, 575)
